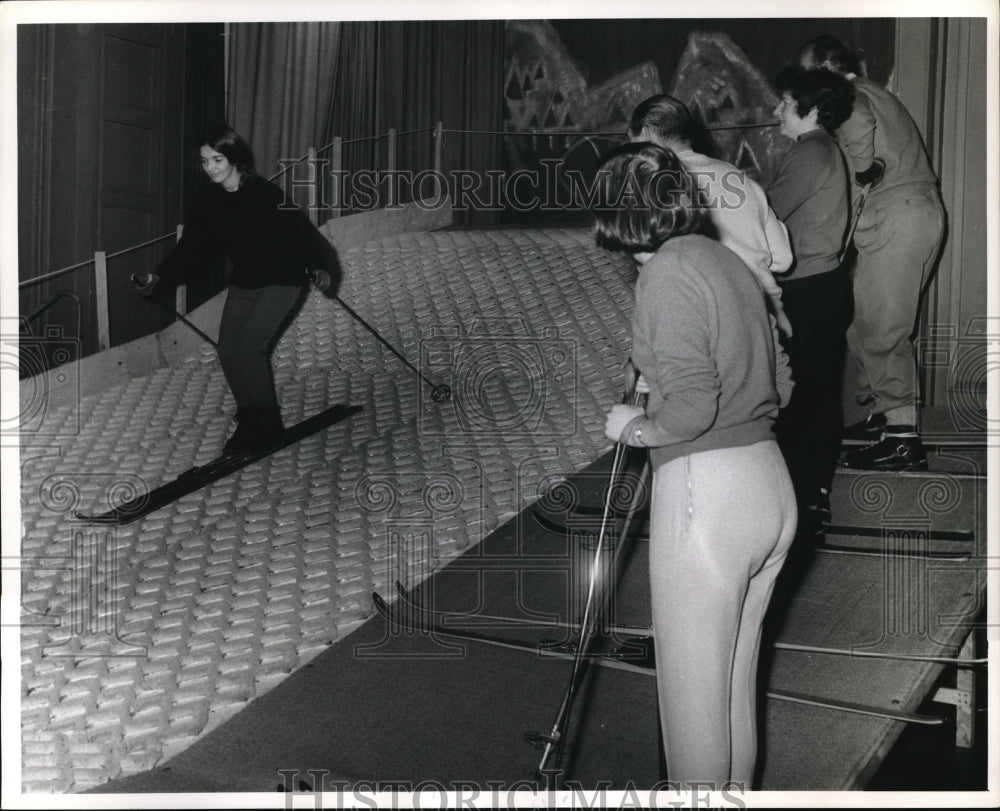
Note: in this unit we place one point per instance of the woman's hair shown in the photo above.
(227, 141)
(666, 117)
(827, 49)
(643, 198)
(830, 93)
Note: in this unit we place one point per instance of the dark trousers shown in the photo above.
(809, 428)
(252, 322)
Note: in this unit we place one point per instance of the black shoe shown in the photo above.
(267, 429)
(819, 507)
(240, 441)
(869, 429)
(898, 450)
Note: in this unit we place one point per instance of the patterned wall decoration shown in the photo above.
(547, 94)
(731, 97)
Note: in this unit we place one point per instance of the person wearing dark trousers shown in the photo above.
(898, 237)
(810, 194)
(274, 250)
(722, 515)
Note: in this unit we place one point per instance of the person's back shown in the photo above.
(740, 214)
(696, 307)
(881, 128)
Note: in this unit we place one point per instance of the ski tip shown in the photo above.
(85, 518)
(379, 602)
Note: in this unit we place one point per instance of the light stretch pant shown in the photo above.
(898, 238)
(252, 322)
(721, 523)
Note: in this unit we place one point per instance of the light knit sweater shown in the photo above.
(704, 343)
(741, 215)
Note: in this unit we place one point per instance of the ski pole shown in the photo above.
(439, 393)
(181, 318)
(555, 741)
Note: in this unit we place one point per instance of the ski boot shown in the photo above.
(239, 442)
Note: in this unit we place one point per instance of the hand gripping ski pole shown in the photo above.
(181, 318)
(555, 740)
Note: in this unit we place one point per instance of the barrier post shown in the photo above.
(391, 167)
(337, 177)
(101, 298)
(315, 194)
(180, 298)
(438, 157)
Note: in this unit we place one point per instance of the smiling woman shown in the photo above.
(273, 248)
(219, 169)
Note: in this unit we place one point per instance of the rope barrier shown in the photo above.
(70, 268)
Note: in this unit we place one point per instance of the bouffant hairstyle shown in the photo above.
(830, 93)
(226, 141)
(644, 197)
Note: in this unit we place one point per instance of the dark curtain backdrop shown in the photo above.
(281, 87)
(444, 70)
(296, 85)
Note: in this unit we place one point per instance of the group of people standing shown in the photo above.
(744, 416)
(744, 424)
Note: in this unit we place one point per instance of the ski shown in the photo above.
(622, 659)
(459, 620)
(197, 477)
(951, 535)
(930, 443)
(586, 529)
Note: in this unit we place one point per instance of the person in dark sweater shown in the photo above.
(723, 511)
(274, 250)
(810, 195)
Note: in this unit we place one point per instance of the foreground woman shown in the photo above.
(723, 510)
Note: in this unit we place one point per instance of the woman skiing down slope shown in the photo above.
(273, 248)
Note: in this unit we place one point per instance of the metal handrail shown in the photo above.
(61, 294)
(172, 235)
(62, 271)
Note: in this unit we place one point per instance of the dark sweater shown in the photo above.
(267, 243)
(809, 194)
(702, 338)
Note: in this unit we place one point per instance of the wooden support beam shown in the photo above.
(337, 176)
(180, 298)
(101, 300)
(391, 167)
